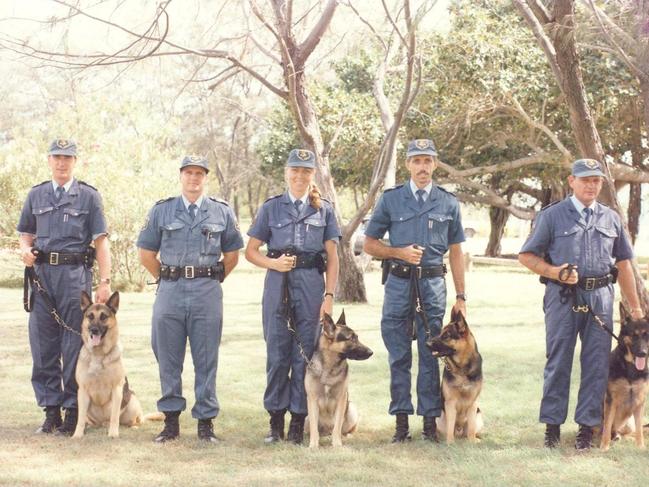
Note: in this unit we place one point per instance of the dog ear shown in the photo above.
(460, 322)
(86, 301)
(113, 302)
(625, 317)
(341, 318)
(328, 326)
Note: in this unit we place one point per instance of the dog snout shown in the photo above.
(360, 353)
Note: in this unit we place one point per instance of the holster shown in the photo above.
(385, 270)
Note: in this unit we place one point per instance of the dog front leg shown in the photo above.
(115, 406)
(339, 416)
(471, 424)
(639, 433)
(83, 403)
(313, 410)
(609, 416)
(451, 414)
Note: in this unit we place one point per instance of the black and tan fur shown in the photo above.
(461, 381)
(104, 396)
(628, 382)
(326, 382)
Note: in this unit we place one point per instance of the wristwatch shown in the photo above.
(461, 296)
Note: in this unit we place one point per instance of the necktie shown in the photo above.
(420, 197)
(192, 210)
(59, 193)
(587, 213)
(298, 205)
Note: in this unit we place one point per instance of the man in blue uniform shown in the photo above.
(580, 232)
(181, 244)
(423, 221)
(299, 228)
(59, 221)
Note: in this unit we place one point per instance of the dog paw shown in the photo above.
(313, 445)
(113, 434)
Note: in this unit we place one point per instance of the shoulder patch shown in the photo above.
(41, 184)
(273, 197)
(549, 205)
(164, 199)
(218, 200)
(393, 188)
(89, 185)
(447, 191)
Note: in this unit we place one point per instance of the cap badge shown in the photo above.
(62, 143)
(591, 164)
(303, 155)
(421, 143)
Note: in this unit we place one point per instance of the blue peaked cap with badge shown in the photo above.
(63, 147)
(301, 158)
(199, 161)
(583, 168)
(420, 147)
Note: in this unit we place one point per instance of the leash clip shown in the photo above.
(582, 308)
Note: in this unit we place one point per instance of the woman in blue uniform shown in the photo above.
(301, 234)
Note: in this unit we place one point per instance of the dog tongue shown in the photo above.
(95, 340)
(640, 363)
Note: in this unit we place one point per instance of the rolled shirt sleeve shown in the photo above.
(540, 238)
(231, 238)
(380, 221)
(150, 237)
(260, 228)
(332, 231)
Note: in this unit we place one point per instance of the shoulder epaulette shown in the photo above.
(551, 204)
(447, 191)
(164, 199)
(89, 185)
(393, 187)
(273, 197)
(40, 184)
(219, 200)
(603, 204)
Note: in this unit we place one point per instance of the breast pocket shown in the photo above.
(606, 241)
(211, 238)
(403, 227)
(74, 222)
(281, 233)
(43, 215)
(173, 232)
(565, 248)
(314, 234)
(438, 225)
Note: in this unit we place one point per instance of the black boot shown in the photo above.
(552, 435)
(584, 438)
(429, 432)
(171, 429)
(401, 432)
(276, 432)
(296, 429)
(69, 422)
(206, 431)
(52, 420)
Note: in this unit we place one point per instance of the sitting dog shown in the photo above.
(104, 396)
(461, 381)
(326, 382)
(628, 382)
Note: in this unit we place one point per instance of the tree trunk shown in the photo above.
(352, 288)
(498, 218)
(637, 157)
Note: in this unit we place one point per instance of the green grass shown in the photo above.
(506, 318)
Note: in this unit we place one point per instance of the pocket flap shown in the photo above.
(608, 231)
(438, 217)
(566, 231)
(75, 211)
(280, 223)
(315, 221)
(212, 228)
(402, 217)
(41, 209)
(177, 225)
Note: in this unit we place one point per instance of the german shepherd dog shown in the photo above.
(461, 381)
(326, 382)
(104, 396)
(628, 382)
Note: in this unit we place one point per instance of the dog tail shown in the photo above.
(153, 417)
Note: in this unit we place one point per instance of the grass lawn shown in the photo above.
(506, 318)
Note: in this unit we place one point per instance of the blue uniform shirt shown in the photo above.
(182, 241)
(434, 226)
(279, 225)
(67, 225)
(561, 232)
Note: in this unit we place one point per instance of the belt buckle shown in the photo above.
(419, 269)
(590, 283)
(54, 258)
(189, 272)
(294, 264)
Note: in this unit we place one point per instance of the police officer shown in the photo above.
(181, 245)
(299, 228)
(60, 219)
(578, 231)
(423, 221)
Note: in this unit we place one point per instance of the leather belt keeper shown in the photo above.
(173, 273)
(86, 258)
(404, 271)
(303, 260)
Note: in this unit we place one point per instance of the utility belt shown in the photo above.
(302, 260)
(86, 258)
(405, 271)
(173, 273)
(588, 283)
